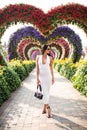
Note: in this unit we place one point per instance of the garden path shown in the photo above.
(22, 111)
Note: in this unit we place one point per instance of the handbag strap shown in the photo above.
(39, 87)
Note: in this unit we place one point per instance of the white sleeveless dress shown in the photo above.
(45, 78)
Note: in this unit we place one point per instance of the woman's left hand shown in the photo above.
(52, 81)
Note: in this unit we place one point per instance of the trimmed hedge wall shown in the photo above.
(12, 75)
(75, 72)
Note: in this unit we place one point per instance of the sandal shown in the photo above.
(49, 112)
(43, 112)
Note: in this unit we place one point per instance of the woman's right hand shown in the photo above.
(52, 80)
(38, 81)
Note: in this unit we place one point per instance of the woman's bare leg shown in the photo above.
(47, 107)
(44, 108)
(48, 111)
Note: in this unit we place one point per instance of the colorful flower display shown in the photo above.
(63, 44)
(25, 45)
(73, 39)
(33, 34)
(46, 23)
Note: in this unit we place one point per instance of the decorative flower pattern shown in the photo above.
(24, 46)
(46, 23)
(33, 34)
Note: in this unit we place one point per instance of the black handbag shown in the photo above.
(39, 94)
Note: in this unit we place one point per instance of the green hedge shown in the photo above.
(11, 78)
(17, 66)
(9, 81)
(22, 68)
(79, 80)
(4, 89)
(58, 67)
(68, 70)
(29, 66)
(12, 75)
(76, 72)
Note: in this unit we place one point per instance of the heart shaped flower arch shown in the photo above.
(45, 23)
(32, 33)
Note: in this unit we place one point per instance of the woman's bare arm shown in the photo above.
(51, 68)
(37, 71)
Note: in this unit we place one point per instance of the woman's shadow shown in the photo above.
(65, 123)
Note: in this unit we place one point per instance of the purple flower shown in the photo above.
(63, 31)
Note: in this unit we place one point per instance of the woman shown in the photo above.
(45, 76)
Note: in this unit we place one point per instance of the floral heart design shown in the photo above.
(46, 23)
(65, 32)
(29, 48)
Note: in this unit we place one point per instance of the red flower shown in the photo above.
(45, 22)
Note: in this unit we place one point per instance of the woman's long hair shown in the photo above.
(44, 48)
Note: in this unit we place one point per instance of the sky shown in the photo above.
(45, 5)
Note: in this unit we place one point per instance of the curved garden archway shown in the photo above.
(46, 23)
(64, 31)
(73, 39)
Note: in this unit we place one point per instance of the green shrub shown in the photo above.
(54, 64)
(11, 78)
(2, 59)
(79, 80)
(57, 64)
(20, 70)
(29, 66)
(68, 70)
(4, 89)
(26, 68)
(17, 66)
(58, 67)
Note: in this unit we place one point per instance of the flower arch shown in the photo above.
(26, 45)
(46, 23)
(63, 44)
(63, 31)
(74, 40)
(23, 33)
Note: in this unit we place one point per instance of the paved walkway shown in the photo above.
(22, 111)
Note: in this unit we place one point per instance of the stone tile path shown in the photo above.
(22, 111)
